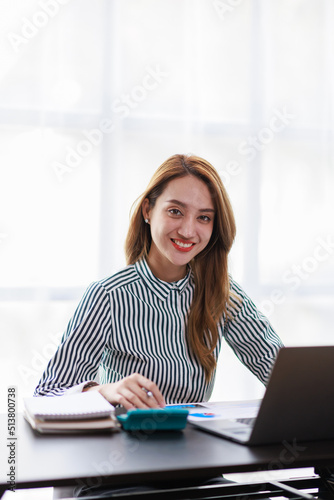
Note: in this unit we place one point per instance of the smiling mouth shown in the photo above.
(183, 246)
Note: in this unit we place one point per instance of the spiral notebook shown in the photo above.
(87, 411)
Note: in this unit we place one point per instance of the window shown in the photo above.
(95, 95)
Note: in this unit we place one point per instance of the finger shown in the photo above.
(144, 398)
(118, 394)
(130, 400)
(150, 390)
(152, 393)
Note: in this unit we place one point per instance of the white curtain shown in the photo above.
(95, 95)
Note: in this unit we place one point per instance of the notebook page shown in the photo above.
(85, 405)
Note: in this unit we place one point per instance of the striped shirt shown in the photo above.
(132, 322)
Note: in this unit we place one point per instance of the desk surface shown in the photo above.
(121, 458)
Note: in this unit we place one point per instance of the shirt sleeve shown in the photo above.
(250, 335)
(78, 356)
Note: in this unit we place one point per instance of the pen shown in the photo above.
(148, 393)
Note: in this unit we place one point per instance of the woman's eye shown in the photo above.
(174, 211)
(205, 218)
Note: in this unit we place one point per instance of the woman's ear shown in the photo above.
(145, 208)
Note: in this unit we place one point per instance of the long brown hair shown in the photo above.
(210, 267)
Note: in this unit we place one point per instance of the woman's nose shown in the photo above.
(187, 228)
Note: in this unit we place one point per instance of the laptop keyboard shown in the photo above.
(248, 421)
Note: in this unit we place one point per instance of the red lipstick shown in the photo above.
(181, 248)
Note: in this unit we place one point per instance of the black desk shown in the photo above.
(121, 458)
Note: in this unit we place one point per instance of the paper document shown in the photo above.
(221, 410)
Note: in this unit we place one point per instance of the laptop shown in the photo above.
(298, 404)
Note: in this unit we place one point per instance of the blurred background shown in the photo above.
(94, 96)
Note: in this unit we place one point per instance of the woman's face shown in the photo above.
(181, 226)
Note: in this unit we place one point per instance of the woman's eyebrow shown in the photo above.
(181, 204)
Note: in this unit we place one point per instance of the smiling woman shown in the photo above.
(179, 227)
(158, 324)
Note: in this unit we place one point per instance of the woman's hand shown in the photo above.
(134, 391)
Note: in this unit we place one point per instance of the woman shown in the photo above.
(153, 330)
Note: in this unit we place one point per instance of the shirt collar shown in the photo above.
(161, 288)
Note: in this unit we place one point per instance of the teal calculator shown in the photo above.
(151, 420)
